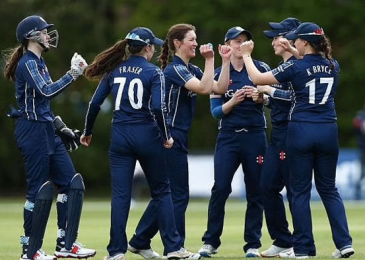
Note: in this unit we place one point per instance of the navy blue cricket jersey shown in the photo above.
(138, 88)
(181, 101)
(35, 88)
(248, 114)
(314, 85)
(280, 102)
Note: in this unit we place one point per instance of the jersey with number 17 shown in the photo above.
(314, 83)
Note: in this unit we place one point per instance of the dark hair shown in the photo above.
(109, 59)
(12, 57)
(323, 47)
(177, 31)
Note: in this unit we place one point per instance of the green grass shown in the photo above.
(95, 223)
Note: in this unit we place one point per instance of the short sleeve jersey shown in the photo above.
(314, 84)
(181, 101)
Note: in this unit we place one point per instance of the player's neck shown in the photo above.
(237, 63)
(286, 56)
(35, 48)
(183, 57)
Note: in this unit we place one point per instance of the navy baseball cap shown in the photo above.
(285, 26)
(141, 36)
(310, 32)
(235, 31)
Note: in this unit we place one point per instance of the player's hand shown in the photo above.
(249, 90)
(69, 137)
(168, 143)
(78, 65)
(238, 97)
(246, 48)
(264, 89)
(284, 43)
(206, 50)
(225, 51)
(256, 95)
(86, 140)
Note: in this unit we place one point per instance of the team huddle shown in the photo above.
(153, 110)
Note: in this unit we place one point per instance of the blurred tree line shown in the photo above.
(90, 26)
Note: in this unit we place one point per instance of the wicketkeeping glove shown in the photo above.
(70, 138)
(78, 65)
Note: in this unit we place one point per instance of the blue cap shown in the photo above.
(310, 32)
(141, 36)
(235, 31)
(285, 26)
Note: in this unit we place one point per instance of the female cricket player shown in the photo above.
(275, 174)
(45, 156)
(183, 82)
(241, 141)
(139, 132)
(312, 135)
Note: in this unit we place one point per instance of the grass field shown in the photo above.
(94, 228)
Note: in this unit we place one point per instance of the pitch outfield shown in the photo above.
(94, 229)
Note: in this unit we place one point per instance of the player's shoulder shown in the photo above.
(151, 66)
(261, 65)
(28, 61)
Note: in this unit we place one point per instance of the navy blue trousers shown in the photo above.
(178, 174)
(45, 158)
(232, 150)
(144, 143)
(313, 150)
(274, 177)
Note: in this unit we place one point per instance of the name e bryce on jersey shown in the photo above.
(129, 69)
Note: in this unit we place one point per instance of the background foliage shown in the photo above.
(90, 26)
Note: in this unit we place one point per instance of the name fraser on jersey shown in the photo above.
(129, 69)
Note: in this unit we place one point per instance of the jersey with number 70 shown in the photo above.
(138, 89)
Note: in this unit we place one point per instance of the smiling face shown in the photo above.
(186, 47)
(278, 49)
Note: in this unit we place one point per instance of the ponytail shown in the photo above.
(327, 50)
(164, 55)
(12, 57)
(107, 60)
(324, 47)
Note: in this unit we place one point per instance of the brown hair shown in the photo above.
(12, 57)
(177, 31)
(323, 47)
(109, 59)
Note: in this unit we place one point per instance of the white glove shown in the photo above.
(78, 65)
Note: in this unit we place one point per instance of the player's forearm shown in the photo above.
(207, 81)
(221, 86)
(252, 71)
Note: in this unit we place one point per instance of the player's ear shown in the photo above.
(177, 43)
